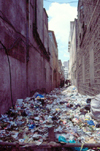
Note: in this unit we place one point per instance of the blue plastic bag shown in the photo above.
(40, 96)
(90, 122)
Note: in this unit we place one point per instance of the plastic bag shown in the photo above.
(95, 108)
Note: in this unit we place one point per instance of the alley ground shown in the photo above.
(58, 118)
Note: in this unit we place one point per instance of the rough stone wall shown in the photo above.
(88, 53)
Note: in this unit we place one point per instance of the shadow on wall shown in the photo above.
(43, 90)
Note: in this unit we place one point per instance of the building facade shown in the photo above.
(72, 48)
(61, 73)
(88, 52)
(55, 59)
(24, 57)
(66, 69)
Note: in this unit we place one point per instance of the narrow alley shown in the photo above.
(49, 75)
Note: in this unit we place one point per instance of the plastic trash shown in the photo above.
(98, 125)
(32, 126)
(29, 121)
(39, 96)
(19, 102)
(90, 122)
(62, 139)
(88, 100)
(95, 107)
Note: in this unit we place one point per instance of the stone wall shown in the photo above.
(88, 53)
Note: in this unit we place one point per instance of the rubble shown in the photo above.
(62, 116)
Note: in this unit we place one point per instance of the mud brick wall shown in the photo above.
(88, 54)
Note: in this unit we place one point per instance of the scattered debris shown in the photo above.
(62, 116)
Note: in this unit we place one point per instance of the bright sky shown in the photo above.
(60, 13)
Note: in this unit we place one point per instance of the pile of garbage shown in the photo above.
(62, 116)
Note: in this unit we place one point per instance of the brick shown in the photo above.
(88, 42)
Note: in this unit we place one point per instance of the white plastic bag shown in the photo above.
(95, 107)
